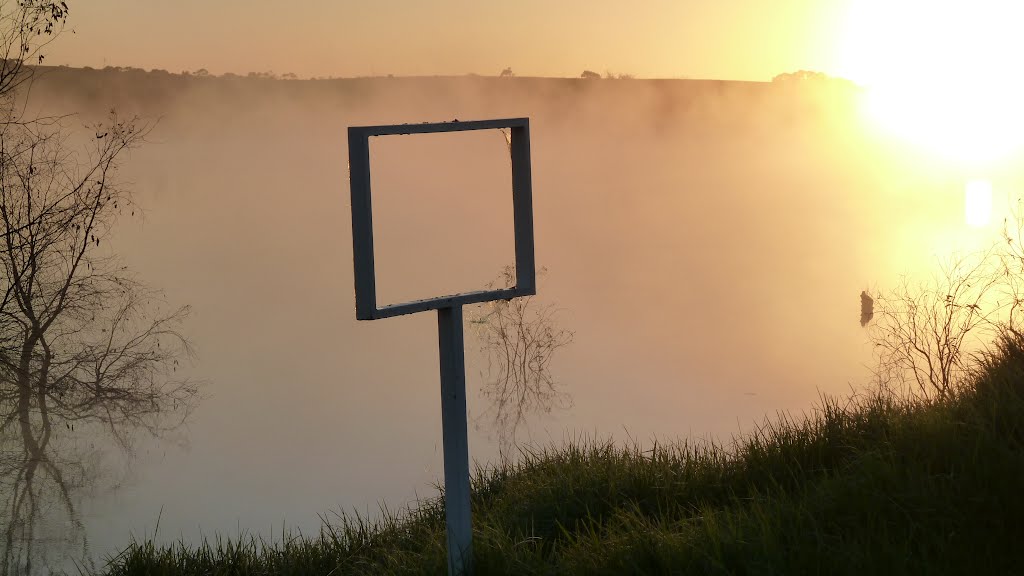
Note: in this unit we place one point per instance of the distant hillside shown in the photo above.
(156, 90)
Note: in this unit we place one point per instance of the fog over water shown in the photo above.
(706, 242)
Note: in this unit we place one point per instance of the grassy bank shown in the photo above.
(874, 485)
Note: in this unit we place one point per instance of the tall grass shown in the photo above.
(876, 484)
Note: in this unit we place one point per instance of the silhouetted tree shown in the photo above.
(80, 340)
(83, 345)
(812, 77)
(927, 335)
(26, 28)
(801, 76)
(590, 75)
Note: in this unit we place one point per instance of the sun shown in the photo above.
(941, 74)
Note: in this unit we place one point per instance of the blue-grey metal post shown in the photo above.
(456, 442)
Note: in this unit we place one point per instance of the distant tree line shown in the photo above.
(591, 75)
(809, 77)
(271, 75)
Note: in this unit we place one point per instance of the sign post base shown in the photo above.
(454, 427)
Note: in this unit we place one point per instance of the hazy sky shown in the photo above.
(726, 39)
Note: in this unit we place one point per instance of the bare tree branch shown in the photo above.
(927, 335)
(83, 346)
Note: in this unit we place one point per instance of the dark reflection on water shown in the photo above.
(52, 461)
(56, 434)
(85, 350)
(42, 477)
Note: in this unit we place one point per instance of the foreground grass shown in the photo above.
(875, 485)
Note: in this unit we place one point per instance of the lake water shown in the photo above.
(706, 243)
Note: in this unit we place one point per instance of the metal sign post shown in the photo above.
(449, 308)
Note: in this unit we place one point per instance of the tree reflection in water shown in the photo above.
(85, 350)
(84, 346)
(39, 484)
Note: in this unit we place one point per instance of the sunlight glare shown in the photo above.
(978, 203)
(941, 75)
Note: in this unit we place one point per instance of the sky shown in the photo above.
(721, 39)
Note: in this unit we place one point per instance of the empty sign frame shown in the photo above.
(362, 216)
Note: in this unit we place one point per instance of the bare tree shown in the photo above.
(26, 28)
(1011, 264)
(927, 334)
(519, 338)
(84, 347)
(82, 342)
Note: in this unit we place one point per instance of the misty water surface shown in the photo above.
(706, 242)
